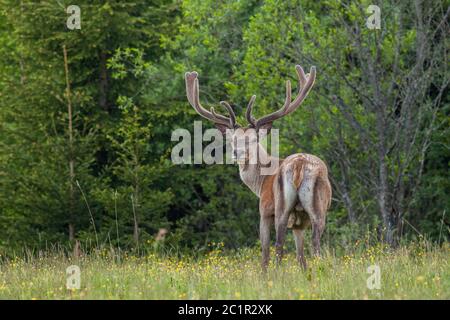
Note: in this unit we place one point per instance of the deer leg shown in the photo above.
(281, 222)
(299, 244)
(310, 203)
(285, 200)
(317, 229)
(264, 236)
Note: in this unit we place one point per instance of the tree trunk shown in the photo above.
(383, 189)
(103, 82)
(134, 202)
(71, 156)
(349, 206)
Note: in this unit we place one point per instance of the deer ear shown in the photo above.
(222, 128)
(266, 127)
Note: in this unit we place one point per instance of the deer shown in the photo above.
(297, 193)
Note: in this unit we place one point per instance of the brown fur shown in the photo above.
(298, 194)
(266, 197)
(297, 169)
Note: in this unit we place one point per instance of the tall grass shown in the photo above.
(414, 271)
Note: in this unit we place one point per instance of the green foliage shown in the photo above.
(126, 68)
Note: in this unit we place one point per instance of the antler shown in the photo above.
(306, 83)
(248, 113)
(192, 91)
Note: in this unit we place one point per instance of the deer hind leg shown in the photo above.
(309, 196)
(318, 227)
(299, 244)
(322, 200)
(285, 200)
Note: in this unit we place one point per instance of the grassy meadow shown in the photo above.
(416, 271)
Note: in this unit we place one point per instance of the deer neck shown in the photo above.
(252, 173)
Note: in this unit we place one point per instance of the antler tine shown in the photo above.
(287, 101)
(279, 113)
(301, 77)
(189, 77)
(248, 113)
(230, 110)
(305, 85)
(192, 92)
(217, 117)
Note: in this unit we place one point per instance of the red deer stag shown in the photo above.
(298, 193)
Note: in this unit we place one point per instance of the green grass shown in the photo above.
(410, 272)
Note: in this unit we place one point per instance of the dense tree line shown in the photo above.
(85, 142)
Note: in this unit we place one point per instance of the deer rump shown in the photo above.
(308, 188)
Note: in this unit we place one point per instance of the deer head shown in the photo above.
(245, 140)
